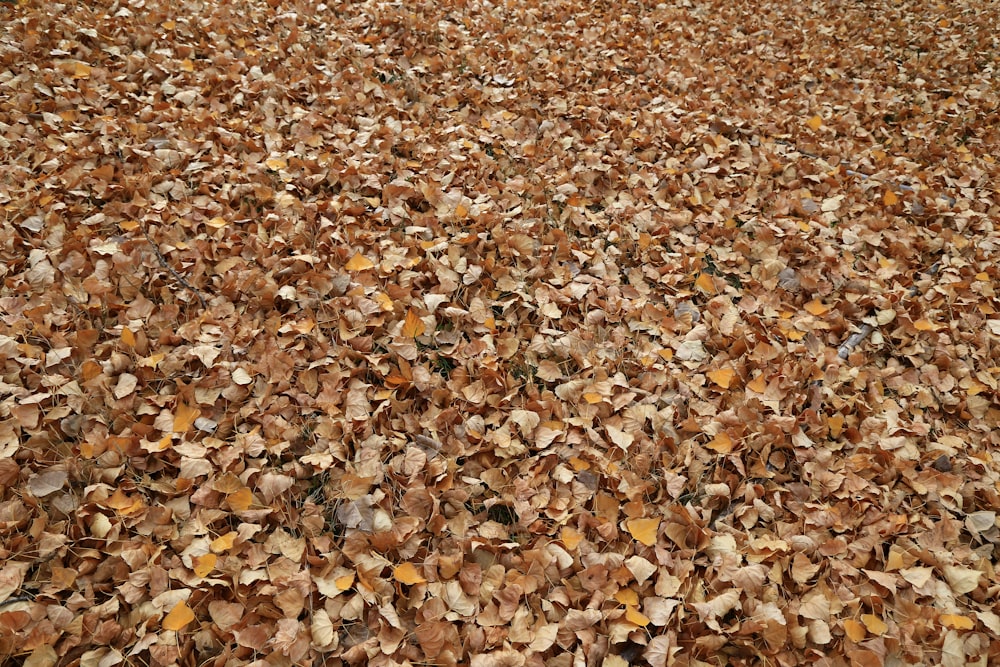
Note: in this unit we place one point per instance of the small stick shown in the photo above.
(177, 276)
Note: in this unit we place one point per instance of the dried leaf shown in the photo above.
(874, 624)
(413, 326)
(854, 630)
(359, 263)
(407, 573)
(956, 622)
(178, 617)
(184, 417)
(570, 537)
(722, 377)
(632, 615)
(817, 308)
(203, 565)
(223, 543)
(721, 443)
(644, 530)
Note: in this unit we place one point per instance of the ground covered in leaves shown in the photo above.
(499, 333)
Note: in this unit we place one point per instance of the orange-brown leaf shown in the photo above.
(816, 307)
(359, 263)
(571, 537)
(407, 573)
(643, 530)
(721, 443)
(413, 326)
(854, 630)
(241, 500)
(874, 624)
(956, 622)
(178, 617)
(184, 417)
(722, 377)
(203, 565)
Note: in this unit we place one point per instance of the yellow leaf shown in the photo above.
(203, 565)
(855, 631)
(223, 542)
(407, 574)
(461, 211)
(592, 398)
(187, 65)
(956, 622)
(184, 417)
(666, 353)
(153, 360)
(815, 122)
(722, 377)
(571, 537)
(890, 198)
(836, 424)
(218, 222)
(633, 615)
(128, 338)
(643, 530)
(276, 163)
(874, 624)
(413, 326)
(627, 596)
(344, 582)
(923, 325)
(816, 307)
(129, 225)
(178, 617)
(359, 263)
(705, 283)
(578, 463)
(721, 443)
(81, 71)
(758, 384)
(241, 500)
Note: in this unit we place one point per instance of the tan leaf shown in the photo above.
(962, 579)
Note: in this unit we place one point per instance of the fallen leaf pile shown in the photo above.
(499, 333)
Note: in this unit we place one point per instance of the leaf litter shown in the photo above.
(499, 334)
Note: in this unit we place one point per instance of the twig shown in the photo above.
(858, 337)
(173, 272)
(20, 598)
